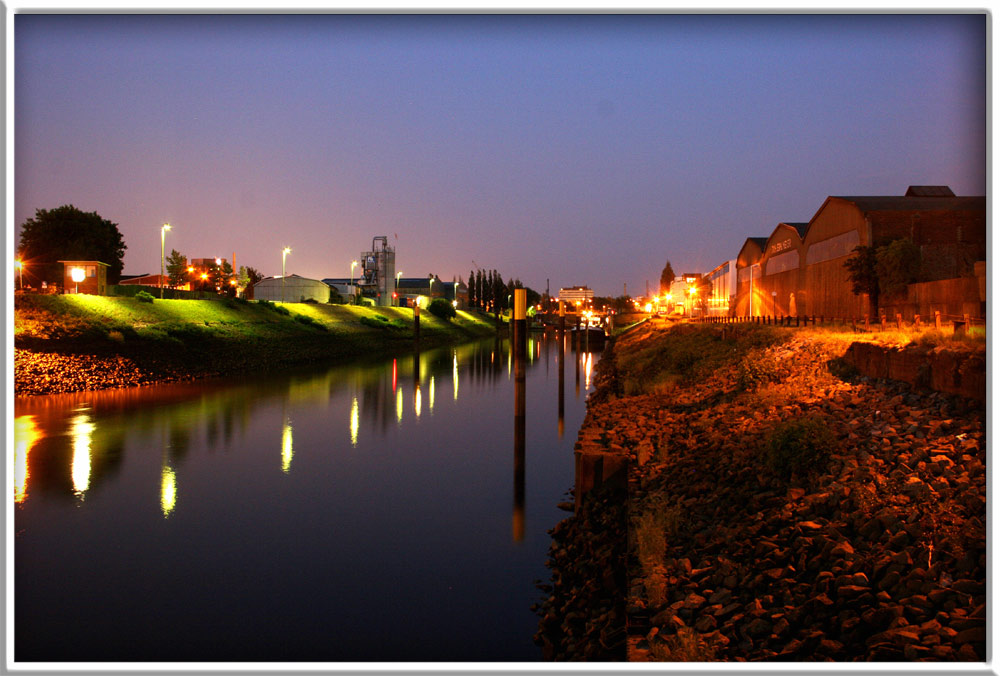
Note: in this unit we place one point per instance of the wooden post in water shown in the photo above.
(562, 372)
(519, 322)
(562, 321)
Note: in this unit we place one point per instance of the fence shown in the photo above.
(130, 290)
(938, 320)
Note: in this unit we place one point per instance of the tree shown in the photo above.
(253, 275)
(177, 268)
(473, 300)
(703, 291)
(66, 233)
(666, 278)
(897, 265)
(862, 273)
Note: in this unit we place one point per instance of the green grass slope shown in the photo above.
(227, 335)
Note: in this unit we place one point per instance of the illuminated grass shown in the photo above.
(114, 322)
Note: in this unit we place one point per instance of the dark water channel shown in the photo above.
(365, 513)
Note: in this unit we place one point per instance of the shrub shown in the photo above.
(685, 646)
(116, 336)
(274, 307)
(310, 321)
(144, 297)
(798, 446)
(442, 308)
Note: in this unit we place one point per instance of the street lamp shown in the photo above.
(399, 301)
(354, 295)
(284, 252)
(78, 275)
(430, 289)
(163, 235)
(454, 301)
(20, 273)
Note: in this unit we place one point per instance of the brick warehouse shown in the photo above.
(799, 269)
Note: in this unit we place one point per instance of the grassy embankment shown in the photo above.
(191, 338)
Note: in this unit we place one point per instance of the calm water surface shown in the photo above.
(372, 512)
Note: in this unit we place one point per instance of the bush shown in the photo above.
(442, 308)
(309, 321)
(274, 307)
(380, 322)
(798, 447)
(144, 297)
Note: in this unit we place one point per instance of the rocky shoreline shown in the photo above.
(876, 551)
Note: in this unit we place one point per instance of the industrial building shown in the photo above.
(576, 295)
(799, 269)
(291, 289)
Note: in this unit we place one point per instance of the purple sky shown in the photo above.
(582, 149)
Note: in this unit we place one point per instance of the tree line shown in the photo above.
(489, 292)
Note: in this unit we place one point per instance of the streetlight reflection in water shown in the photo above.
(26, 434)
(286, 446)
(81, 430)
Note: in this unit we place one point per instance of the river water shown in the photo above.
(374, 512)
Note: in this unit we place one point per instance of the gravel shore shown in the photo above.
(875, 552)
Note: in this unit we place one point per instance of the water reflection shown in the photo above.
(168, 490)
(286, 446)
(355, 422)
(26, 434)
(81, 430)
(205, 524)
(82, 436)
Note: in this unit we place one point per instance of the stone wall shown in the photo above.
(959, 372)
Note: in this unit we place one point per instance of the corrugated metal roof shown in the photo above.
(800, 228)
(929, 191)
(893, 203)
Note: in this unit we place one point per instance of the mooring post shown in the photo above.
(562, 320)
(416, 322)
(519, 322)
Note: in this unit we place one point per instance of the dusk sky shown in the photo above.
(582, 149)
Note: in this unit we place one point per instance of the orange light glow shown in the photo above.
(26, 435)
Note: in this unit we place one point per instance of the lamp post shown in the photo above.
(77, 275)
(454, 301)
(163, 235)
(284, 252)
(354, 295)
(20, 273)
(430, 289)
(399, 301)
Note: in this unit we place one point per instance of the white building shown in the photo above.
(291, 289)
(576, 295)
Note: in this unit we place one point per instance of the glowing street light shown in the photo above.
(20, 273)
(163, 235)
(354, 295)
(284, 252)
(399, 301)
(77, 275)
